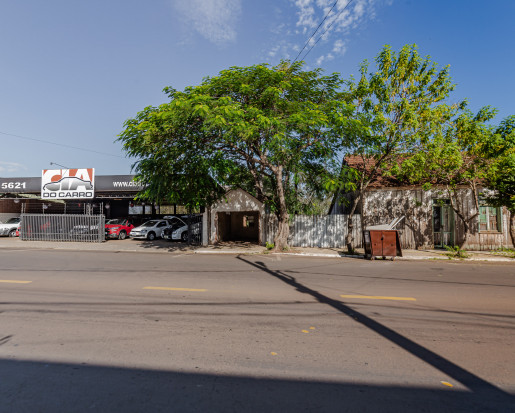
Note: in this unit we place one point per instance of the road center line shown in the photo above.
(378, 297)
(175, 289)
(15, 282)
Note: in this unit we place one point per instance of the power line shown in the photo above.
(328, 27)
(62, 144)
(316, 30)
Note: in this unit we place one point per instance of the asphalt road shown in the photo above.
(106, 332)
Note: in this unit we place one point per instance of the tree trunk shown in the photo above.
(349, 240)
(466, 236)
(512, 227)
(283, 230)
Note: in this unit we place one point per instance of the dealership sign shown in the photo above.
(68, 183)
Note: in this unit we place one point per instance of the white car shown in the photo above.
(9, 228)
(150, 230)
(178, 229)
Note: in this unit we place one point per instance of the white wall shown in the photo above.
(236, 200)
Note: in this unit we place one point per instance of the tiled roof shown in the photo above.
(365, 165)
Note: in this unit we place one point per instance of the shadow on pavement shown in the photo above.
(161, 245)
(28, 386)
(485, 391)
(240, 245)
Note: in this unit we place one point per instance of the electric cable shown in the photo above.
(316, 30)
(62, 144)
(328, 27)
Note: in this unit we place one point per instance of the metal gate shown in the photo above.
(57, 227)
(194, 222)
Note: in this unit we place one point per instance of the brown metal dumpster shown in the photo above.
(382, 243)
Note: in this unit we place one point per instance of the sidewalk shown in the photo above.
(161, 246)
(408, 255)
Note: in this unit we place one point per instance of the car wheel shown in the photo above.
(122, 235)
(184, 236)
(12, 233)
(151, 236)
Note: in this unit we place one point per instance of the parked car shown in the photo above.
(150, 230)
(119, 228)
(179, 229)
(9, 228)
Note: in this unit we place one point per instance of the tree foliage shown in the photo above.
(455, 160)
(270, 130)
(500, 150)
(279, 132)
(395, 108)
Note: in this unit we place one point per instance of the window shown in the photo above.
(248, 221)
(489, 219)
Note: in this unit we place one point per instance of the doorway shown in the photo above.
(443, 223)
(238, 226)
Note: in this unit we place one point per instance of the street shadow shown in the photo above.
(5, 339)
(474, 383)
(240, 245)
(164, 245)
(65, 387)
(447, 266)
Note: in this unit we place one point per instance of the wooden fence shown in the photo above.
(322, 231)
(329, 231)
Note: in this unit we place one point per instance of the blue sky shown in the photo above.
(73, 71)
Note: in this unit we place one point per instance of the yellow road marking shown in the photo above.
(273, 353)
(15, 282)
(446, 383)
(305, 331)
(379, 297)
(175, 289)
(311, 328)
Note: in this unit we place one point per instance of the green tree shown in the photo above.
(261, 128)
(394, 109)
(500, 149)
(455, 161)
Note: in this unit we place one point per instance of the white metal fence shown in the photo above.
(57, 227)
(321, 231)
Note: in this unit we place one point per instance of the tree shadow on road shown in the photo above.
(477, 385)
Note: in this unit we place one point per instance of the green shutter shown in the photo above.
(483, 218)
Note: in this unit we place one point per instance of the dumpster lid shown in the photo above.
(389, 226)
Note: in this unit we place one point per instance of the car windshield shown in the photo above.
(149, 223)
(13, 221)
(174, 221)
(117, 221)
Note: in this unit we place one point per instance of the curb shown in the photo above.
(405, 258)
(258, 252)
(238, 252)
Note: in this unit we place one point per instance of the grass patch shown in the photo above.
(456, 252)
(505, 252)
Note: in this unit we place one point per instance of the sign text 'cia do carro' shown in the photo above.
(68, 183)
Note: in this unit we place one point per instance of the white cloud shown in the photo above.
(306, 13)
(345, 17)
(10, 167)
(339, 47)
(272, 53)
(215, 20)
